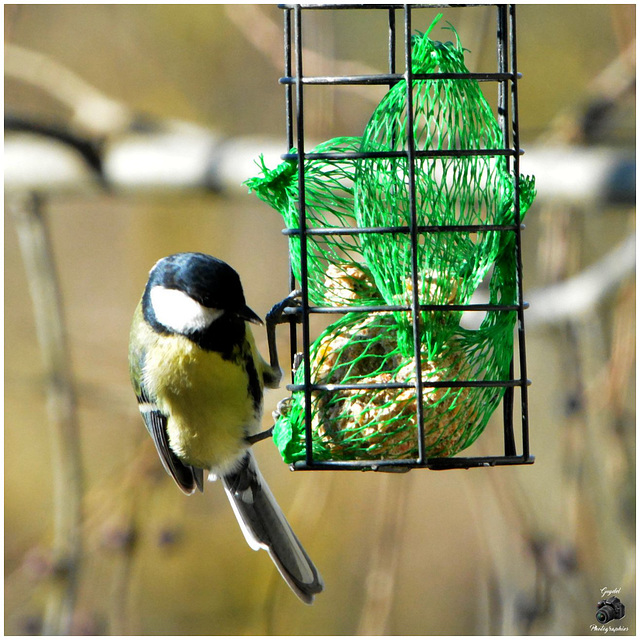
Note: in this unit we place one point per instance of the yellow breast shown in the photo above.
(206, 398)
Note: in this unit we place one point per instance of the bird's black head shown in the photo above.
(187, 292)
(209, 281)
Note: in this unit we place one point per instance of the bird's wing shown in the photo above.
(265, 527)
(188, 478)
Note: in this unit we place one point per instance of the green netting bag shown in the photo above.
(337, 272)
(367, 350)
(449, 115)
(376, 424)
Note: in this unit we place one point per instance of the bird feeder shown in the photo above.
(394, 232)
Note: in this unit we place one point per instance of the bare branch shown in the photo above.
(93, 111)
(579, 295)
(64, 432)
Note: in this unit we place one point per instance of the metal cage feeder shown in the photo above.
(412, 311)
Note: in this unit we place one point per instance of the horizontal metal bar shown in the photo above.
(434, 464)
(450, 228)
(389, 308)
(423, 153)
(431, 384)
(399, 7)
(391, 78)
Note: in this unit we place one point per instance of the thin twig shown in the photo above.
(262, 32)
(93, 111)
(580, 294)
(66, 465)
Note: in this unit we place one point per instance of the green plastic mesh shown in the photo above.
(375, 424)
(337, 272)
(359, 349)
(449, 115)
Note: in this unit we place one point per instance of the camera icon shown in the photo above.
(609, 609)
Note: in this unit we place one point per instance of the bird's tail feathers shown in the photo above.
(265, 527)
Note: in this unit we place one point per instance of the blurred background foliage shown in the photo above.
(487, 551)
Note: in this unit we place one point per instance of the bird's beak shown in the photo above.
(250, 316)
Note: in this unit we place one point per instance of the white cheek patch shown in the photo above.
(178, 312)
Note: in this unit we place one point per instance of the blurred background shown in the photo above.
(173, 103)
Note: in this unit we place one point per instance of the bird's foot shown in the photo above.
(298, 359)
(282, 408)
(257, 437)
(284, 310)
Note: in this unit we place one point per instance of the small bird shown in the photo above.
(199, 381)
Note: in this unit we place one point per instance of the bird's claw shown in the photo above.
(282, 408)
(278, 314)
(257, 437)
(297, 361)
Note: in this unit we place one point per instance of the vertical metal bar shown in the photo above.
(288, 105)
(288, 95)
(411, 174)
(517, 220)
(503, 119)
(507, 413)
(392, 41)
(503, 67)
(302, 217)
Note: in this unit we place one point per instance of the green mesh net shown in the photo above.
(372, 415)
(337, 272)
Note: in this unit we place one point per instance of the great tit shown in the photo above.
(199, 381)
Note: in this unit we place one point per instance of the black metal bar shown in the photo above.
(288, 102)
(419, 153)
(503, 69)
(304, 284)
(430, 384)
(517, 218)
(507, 416)
(423, 307)
(354, 231)
(288, 96)
(392, 78)
(375, 6)
(435, 464)
(415, 278)
(503, 120)
(392, 45)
